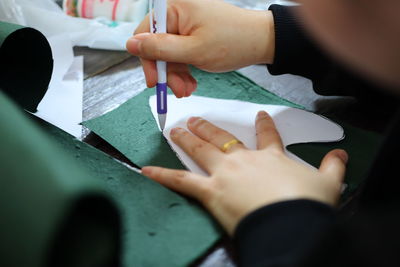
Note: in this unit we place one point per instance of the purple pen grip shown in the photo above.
(161, 98)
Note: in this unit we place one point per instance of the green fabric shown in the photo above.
(40, 187)
(26, 64)
(161, 228)
(132, 129)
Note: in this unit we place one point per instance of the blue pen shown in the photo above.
(158, 24)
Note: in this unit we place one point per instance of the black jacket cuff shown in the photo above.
(281, 234)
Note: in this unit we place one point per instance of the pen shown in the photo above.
(158, 24)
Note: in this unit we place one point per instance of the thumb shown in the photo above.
(334, 164)
(163, 46)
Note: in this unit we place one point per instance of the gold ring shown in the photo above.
(228, 144)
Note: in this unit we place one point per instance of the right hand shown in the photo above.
(209, 34)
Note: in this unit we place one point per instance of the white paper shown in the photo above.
(238, 117)
(62, 104)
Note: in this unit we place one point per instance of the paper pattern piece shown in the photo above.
(27, 74)
(237, 117)
(63, 103)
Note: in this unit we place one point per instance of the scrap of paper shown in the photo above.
(294, 125)
(62, 104)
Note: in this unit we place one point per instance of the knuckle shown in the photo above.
(179, 135)
(231, 160)
(195, 149)
(178, 178)
(199, 124)
(151, 48)
(215, 135)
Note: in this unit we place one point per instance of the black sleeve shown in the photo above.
(281, 234)
(297, 53)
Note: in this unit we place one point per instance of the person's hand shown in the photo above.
(242, 180)
(209, 34)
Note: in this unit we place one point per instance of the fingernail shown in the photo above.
(133, 46)
(175, 131)
(146, 171)
(261, 113)
(134, 43)
(193, 120)
(343, 156)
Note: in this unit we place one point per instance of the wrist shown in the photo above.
(264, 37)
(268, 42)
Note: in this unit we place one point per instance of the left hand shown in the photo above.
(242, 180)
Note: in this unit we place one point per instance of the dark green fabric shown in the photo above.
(40, 187)
(132, 129)
(161, 228)
(26, 64)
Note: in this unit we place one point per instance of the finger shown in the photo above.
(163, 46)
(183, 87)
(267, 134)
(334, 164)
(193, 81)
(177, 84)
(181, 181)
(179, 78)
(150, 72)
(212, 134)
(202, 152)
(188, 82)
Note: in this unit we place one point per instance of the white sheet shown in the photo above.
(62, 104)
(294, 125)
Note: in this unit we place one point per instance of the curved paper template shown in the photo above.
(294, 125)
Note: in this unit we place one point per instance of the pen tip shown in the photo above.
(161, 120)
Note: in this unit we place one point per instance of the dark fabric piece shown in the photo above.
(366, 235)
(44, 195)
(26, 64)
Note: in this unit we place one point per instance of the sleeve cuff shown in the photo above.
(281, 234)
(295, 51)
